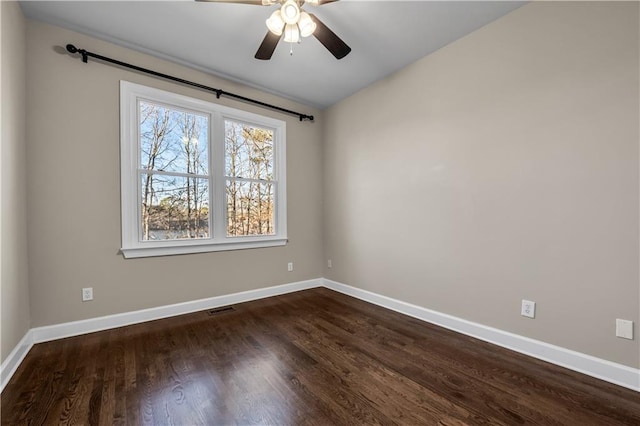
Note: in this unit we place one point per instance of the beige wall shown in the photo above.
(74, 191)
(502, 167)
(14, 285)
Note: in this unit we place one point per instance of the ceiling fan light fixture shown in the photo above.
(275, 23)
(290, 12)
(291, 33)
(306, 25)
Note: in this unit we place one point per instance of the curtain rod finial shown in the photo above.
(72, 49)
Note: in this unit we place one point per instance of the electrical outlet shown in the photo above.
(528, 309)
(624, 329)
(290, 266)
(329, 265)
(87, 294)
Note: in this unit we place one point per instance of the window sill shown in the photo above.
(162, 249)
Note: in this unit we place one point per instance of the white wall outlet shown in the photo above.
(624, 329)
(87, 294)
(329, 265)
(528, 309)
(290, 266)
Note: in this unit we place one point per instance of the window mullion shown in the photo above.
(218, 197)
(241, 179)
(176, 174)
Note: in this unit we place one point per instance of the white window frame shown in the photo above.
(132, 245)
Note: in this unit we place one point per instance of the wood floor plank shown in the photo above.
(313, 357)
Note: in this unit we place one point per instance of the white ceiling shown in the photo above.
(221, 38)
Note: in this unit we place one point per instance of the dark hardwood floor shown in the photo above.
(312, 357)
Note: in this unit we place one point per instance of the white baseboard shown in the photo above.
(612, 372)
(75, 328)
(602, 369)
(14, 359)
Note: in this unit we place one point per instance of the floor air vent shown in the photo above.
(220, 310)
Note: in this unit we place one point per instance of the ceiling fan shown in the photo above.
(292, 22)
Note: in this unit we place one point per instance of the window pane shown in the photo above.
(250, 207)
(172, 140)
(174, 207)
(248, 151)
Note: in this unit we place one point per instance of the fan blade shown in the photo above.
(319, 2)
(268, 45)
(256, 2)
(329, 39)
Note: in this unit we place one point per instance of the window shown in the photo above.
(197, 176)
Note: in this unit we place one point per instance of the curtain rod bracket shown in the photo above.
(218, 92)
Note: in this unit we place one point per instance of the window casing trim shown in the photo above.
(132, 245)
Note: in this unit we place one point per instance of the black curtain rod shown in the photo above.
(85, 58)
